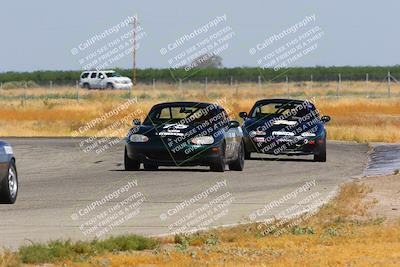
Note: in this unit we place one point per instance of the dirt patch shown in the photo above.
(385, 194)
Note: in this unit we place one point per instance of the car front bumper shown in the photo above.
(161, 155)
(297, 145)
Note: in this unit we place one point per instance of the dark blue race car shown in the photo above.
(285, 126)
(8, 175)
(185, 134)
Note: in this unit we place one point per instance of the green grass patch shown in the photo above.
(78, 251)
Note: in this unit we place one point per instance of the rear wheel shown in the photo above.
(130, 164)
(9, 185)
(86, 86)
(320, 151)
(238, 164)
(219, 164)
(110, 86)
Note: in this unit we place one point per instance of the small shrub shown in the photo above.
(306, 230)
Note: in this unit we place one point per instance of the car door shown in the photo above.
(102, 80)
(94, 81)
(4, 161)
(230, 138)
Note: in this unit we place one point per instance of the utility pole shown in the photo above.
(389, 77)
(134, 50)
(287, 85)
(205, 86)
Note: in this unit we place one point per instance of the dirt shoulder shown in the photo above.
(385, 194)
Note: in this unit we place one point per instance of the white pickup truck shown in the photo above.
(104, 79)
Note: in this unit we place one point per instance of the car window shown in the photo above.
(101, 75)
(85, 75)
(277, 108)
(112, 74)
(174, 114)
(94, 74)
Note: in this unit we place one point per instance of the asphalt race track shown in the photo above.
(58, 180)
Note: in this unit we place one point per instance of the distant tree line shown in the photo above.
(240, 74)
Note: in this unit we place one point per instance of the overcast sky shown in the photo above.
(39, 35)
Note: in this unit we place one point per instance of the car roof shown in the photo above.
(280, 100)
(98, 71)
(185, 104)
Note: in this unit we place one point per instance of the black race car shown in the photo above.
(185, 134)
(285, 126)
(8, 175)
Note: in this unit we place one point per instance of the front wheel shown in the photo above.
(219, 164)
(320, 151)
(130, 164)
(238, 164)
(9, 185)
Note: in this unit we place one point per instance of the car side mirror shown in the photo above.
(243, 115)
(136, 122)
(234, 124)
(325, 119)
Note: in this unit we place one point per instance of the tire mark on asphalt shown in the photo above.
(383, 160)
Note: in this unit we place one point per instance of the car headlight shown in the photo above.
(308, 134)
(8, 150)
(138, 138)
(254, 133)
(203, 140)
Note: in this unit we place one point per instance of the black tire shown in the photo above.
(86, 86)
(130, 164)
(320, 151)
(247, 154)
(219, 165)
(110, 86)
(238, 164)
(8, 196)
(150, 167)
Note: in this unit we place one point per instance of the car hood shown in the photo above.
(172, 130)
(287, 125)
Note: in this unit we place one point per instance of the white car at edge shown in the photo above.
(104, 79)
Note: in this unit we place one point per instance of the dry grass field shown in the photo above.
(359, 112)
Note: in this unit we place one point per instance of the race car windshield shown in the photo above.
(273, 109)
(112, 74)
(180, 114)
